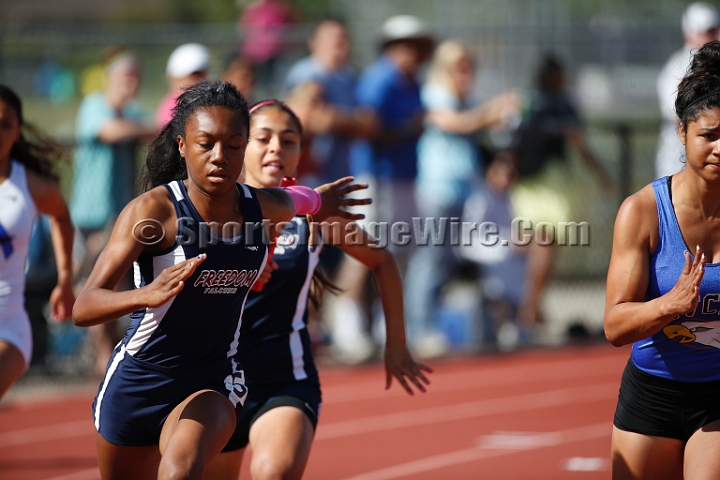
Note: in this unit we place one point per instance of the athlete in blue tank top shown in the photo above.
(663, 297)
(174, 388)
(283, 405)
(688, 348)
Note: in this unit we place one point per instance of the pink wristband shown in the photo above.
(307, 201)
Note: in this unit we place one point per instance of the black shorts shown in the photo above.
(656, 406)
(263, 397)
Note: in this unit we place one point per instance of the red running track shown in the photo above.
(543, 414)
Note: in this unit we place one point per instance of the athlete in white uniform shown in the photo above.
(27, 187)
(16, 221)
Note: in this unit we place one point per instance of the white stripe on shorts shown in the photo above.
(111, 370)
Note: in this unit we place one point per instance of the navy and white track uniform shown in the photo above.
(17, 214)
(191, 342)
(274, 338)
(274, 341)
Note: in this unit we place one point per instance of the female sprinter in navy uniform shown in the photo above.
(174, 390)
(284, 401)
(28, 186)
(663, 289)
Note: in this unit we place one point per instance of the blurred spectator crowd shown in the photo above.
(408, 125)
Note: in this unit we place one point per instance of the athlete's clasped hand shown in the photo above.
(171, 281)
(685, 295)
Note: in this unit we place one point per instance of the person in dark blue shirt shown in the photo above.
(334, 121)
(388, 88)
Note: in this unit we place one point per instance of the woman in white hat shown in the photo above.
(188, 64)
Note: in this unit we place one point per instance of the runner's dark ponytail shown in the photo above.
(37, 151)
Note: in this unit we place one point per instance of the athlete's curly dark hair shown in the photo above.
(164, 163)
(37, 151)
(700, 89)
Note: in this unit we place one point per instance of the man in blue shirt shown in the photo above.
(336, 121)
(387, 160)
(331, 122)
(390, 89)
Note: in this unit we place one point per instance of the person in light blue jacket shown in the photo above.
(448, 167)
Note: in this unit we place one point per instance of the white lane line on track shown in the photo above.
(46, 433)
(476, 378)
(589, 432)
(519, 440)
(89, 474)
(24, 398)
(377, 423)
(586, 464)
(445, 413)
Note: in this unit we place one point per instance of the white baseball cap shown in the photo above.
(700, 17)
(188, 58)
(404, 27)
